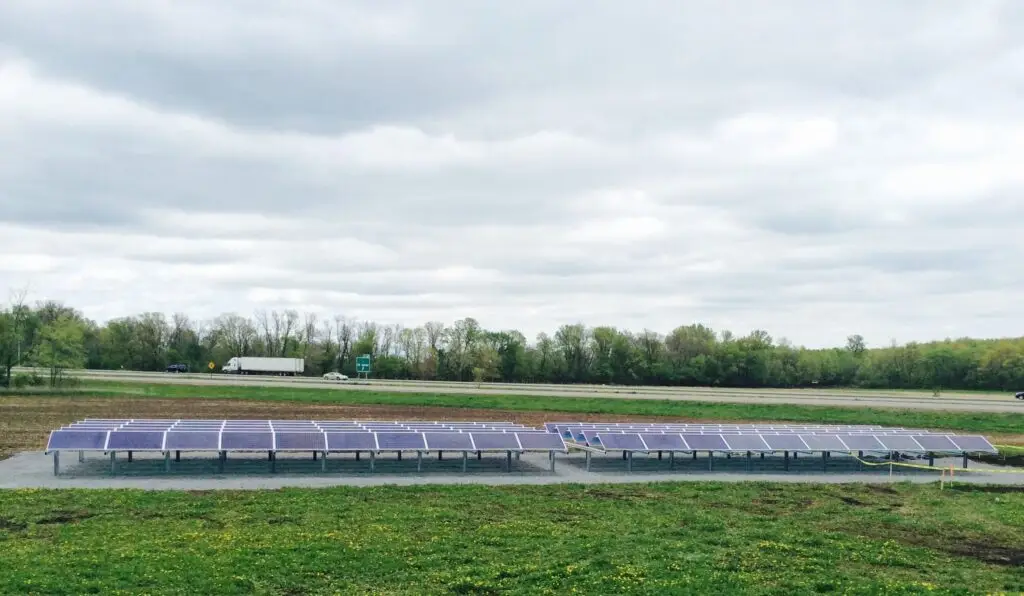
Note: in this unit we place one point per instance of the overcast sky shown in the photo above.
(814, 169)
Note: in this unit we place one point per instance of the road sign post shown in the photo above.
(363, 365)
(211, 366)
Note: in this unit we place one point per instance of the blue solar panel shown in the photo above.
(541, 441)
(452, 441)
(705, 442)
(787, 442)
(746, 443)
(936, 443)
(973, 443)
(900, 443)
(247, 441)
(351, 441)
(626, 442)
(659, 442)
(862, 442)
(192, 441)
(824, 443)
(135, 441)
(74, 439)
(495, 441)
(300, 441)
(399, 441)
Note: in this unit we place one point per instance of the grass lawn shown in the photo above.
(637, 539)
(979, 422)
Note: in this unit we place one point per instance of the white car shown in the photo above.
(335, 376)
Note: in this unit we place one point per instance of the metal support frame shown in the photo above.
(314, 456)
(323, 461)
(824, 461)
(711, 460)
(672, 460)
(588, 460)
(273, 463)
(81, 457)
(479, 455)
(177, 456)
(113, 462)
(167, 461)
(551, 456)
(222, 457)
(508, 461)
(659, 456)
(750, 462)
(440, 455)
(786, 460)
(931, 459)
(694, 456)
(965, 460)
(373, 459)
(357, 456)
(129, 457)
(419, 461)
(629, 461)
(399, 455)
(56, 463)
(465, 461)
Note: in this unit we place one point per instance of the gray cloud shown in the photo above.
(814, 169)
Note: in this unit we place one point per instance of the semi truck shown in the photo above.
(252, 365)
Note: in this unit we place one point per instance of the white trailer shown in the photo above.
(252, 365)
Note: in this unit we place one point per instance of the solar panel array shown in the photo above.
(330, 436)
(766, 438)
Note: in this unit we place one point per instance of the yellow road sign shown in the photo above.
(211, 365)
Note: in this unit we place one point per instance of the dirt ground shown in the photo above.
(26, 422)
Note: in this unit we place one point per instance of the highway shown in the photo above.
(980, 402)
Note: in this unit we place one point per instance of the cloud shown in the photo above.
(852, 171)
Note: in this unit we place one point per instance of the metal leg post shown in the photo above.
(931, 459)
(659, 456)
(56, 463)
(786, 460)
(440, 455)
(113, 462)
(711, 460)
(323, 461)
(588, 460)
(419, 461)
(824, 461)
(508, 461)
(672, 460)
(373, 459)
(177, 456)
(965, 460)
(129, 457)
(465, 461)
(167, 461)
(551, 454)
(629, 462)
(81, 457)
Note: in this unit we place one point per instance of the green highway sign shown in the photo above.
(363, 364)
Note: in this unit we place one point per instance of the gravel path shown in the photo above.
(200, 471)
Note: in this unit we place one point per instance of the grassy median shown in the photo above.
(635, 539)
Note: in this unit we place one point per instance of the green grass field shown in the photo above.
(980, 422)
(635, 539)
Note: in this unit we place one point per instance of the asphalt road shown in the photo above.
(981, 402)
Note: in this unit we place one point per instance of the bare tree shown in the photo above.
(308, 332)
(343, 335)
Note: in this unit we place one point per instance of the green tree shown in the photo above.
(60, 346)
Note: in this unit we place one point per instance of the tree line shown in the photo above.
(56, 337)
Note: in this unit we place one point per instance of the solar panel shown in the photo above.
(451, 441)
(135, 441)
(747, 443)
(936, 443)
(351, 441)
(973, 443)
(247, 441)
(300, 441)
(78, 440)
(862, 442)
(705, 442)
(626, 442)
(664, 442)
(541, 441)
(399, 441)
(824, 443)
(192, 441)
(787, 442)
(900, 443)
(496, 441)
